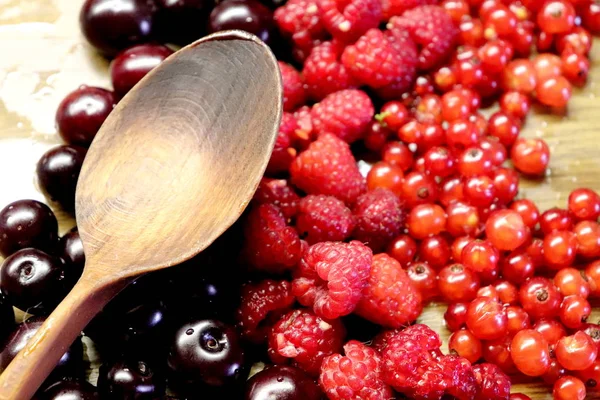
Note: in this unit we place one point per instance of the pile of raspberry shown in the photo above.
(389, 188)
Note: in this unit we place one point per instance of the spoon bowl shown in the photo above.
(173, 166)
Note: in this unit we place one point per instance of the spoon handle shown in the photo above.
(33, 364)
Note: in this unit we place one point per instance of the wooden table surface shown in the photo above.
(43, 57)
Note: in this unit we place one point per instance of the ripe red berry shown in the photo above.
(530, 156)
(424, 279)
(480, 190)
(505, 127)
(517, 267)
(551, 330)
(462, 219)
(529, 352)
(590, 14)
(403, 249)
(393, 114)
(494, 148)
(554, 373)
(501, 20)
(528, 211)
(554, 92)
(506, 230)
(426, 220)
(574, 311)
(480, 256)
(547, 65)
(387, 176)
(506, 181)
(474, 161)
(560, 249)
(588, 239)
(576, 352)
(461, 134)
(451, 191)
(569, 388)
(590, 376)
(397, 153)
(465, 344)
(456, 316)
(486, 319)
(507, 292)
(435, 251)
(575, 68)
(488, 291)
(520, 75)
(555, 219)
(584, 204)
(517, 320)
(571, 281)
(515, 103)
(439, 161)
(457, 283)
(592, 272)
(498, 352)
(540, 298)
(418, 188)
(556, 16)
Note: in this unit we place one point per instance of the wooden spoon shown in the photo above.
(173, 167)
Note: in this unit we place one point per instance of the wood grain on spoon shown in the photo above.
(173, 166)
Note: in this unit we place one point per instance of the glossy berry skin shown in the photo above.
(529, 352)
(130, 380)
(576, 352)
(71, 252)
(554, 92)
(131, 65)
(555, 219)
(551, 329)
(387, 176)
(498, 352)
(78, 389)
(82, 112)
(517, 267)
(556, 16)
(528, 211)
(58, 171)
(506, 230)
(182, 21)
(486, 319)
(206, 351)
(434, 251)
(32, 280)
(424, 279)
(571, 281)
(480, 256)
(27, 223)
(426, 220)
(111, 26)
(403, 249)
(517, 320)
(540, 298)
(584, 204)
(560, 249)
(282, 382)
(69, 365)
(530, 156)
(465, 344)
(457, 283)
(247, 15)
(569, 388)
(574, 311)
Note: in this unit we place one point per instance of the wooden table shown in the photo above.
(43, 57)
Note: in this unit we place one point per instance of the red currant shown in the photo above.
(465, 344)
(424, 279)
(506, 181)
(480, 190)
(588, 239)
(517, 267)
(494, 148)
(507, 292)
(461, 135)
(529, 352)
(498, 352)
(387, 176)
(480, 256)
(517, 320)
(555, 219)
(439, 162)
(569, 388)
(515, 104)
(551, 330)
(576, 68)
(528, 211)
(393, 114)
(571, 281)
(474, 161)
(463, 219)
(540, 298)
(397, 153)
(486, 319)
(429, 109)
(590, 15)
(456, 316)
(574, 311)
(520, 75)
(554, 92)
(584, 204)
(506, 230)
(418, 188)
(435, 251)
(457, 283)
(576, 352)
(495, 55)
(426, 220)
(403, 249)
(547, 65)
(376, 136)
(530, 156)
(556, 16)
(503, 126)
(592, 272)
(590, 376)
(560, 249)
(452, 190)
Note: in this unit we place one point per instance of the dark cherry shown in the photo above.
(32, 280)
(76, 389)
(114, 25)
(131, 65)
(130, 380)
(58, 171)
(247, 15)
(7, 318)
(70, 364)
(27, 223)
(208, 352)
(71, 251)
(182, 21)
(82, 112)
(281, 382)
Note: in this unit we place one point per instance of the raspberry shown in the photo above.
(493, 384)
(432, 29)
(331, 276)
(261, 305)
(390, 299)
(302, 338)
(279, 193)
(355, 376)
(305, 133)
(410, 363)
(293, 87)
(324, 73)
(459, 374)
(300, 20)
(323, 218)
(346, 114)
(283, 155)
(270, 244)
(392, 8)
(379, 218)
(378, 59)
(328, 167)
(347, 20)
(381, 340)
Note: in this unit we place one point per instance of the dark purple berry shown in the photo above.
(182, 21)
(82, 112)
(282, 382)
(58, 171)
(114, 25)
(70, 364)
(207, 352)
(77, 389)
(32, 280)
(130, 380)
(247, 15)
(130, 66)
(27, 223)
(71, 251)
